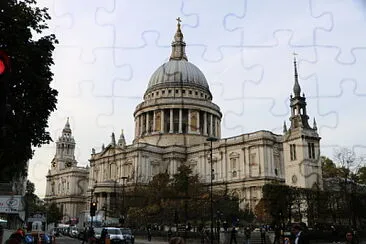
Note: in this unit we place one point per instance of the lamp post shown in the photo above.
(123, 196)
(211, 139)
(91, 202)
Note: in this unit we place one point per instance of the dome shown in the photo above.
(178, 71)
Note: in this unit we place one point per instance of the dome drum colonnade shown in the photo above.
(177, 102)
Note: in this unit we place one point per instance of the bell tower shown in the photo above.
(301, 146)
(65, 149)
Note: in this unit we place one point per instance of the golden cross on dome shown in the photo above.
(179, 20)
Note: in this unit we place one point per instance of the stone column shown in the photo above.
(141, 124)
(211, 125)
(154, 116)
(205, 124)
(189, 121)
(171, 121)
(147, 123)
(180, 120)
(198, 122)
(162, 121)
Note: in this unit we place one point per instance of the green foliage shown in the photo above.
(329, 168)
(181, 198)
(54, 214)
(33, 203)
(30, 96)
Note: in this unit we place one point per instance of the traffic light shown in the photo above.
(93, 208)
(4, 63)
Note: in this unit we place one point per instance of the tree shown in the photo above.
(30, 97)
(54, 214)
(329, 168)
(33, 203)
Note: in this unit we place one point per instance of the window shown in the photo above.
(293, 152)
(190, 92)
(163, 92)
(311, 150)
(184, 91)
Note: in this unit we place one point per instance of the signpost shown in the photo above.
(11, 204)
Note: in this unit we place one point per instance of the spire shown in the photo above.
(178, 45)
(103, 147)
(67, 127)
(121, 140)
(113, 142)
(284, 127)
(314, 125)
(297, 89)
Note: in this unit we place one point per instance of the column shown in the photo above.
(137, 127)
(141, 124)
(189, 121)
(205, 123)
(154, 116)
(147, 122)
(162, 121)
(171, 121)
(180, 120)
(211, 127)
(198, 122)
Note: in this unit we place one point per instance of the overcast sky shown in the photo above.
(109, 49)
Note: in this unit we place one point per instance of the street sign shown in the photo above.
(11, 204)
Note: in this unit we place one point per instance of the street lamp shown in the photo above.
(123, 196)
(211, 139)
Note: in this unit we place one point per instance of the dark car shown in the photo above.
(128, 236)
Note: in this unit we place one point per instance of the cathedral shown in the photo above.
(177, 123)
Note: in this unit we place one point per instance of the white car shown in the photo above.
(114, 234)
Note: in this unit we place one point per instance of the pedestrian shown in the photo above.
(350, 238)
(247, 234)
(277, 232)
(176, 240)
(85, 235)
(263, 235)
(334, 234)
(169, 234)
(300, 236)
(233, 235)
(149, 234)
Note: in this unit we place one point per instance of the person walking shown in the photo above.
(247, 234)
(300, 236)
(233, 235)
(277, 232)
(149, 234)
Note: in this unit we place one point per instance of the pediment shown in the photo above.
(110, 151)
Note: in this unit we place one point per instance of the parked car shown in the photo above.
(128, 236)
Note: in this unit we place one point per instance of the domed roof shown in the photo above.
(178, 71)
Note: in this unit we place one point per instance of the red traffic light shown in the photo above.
(4, 63)
(2, 67)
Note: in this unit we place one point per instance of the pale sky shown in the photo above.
(109, 49)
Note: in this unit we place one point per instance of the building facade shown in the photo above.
(172, 125)
(66, 182)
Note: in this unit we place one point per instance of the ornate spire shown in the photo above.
(67, 128)
(121, 140)
(178, 45)
(314, 125)
(113, 142)
(284, 127)
(103, 147)
(297, 89)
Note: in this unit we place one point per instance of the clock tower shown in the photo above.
(65, 149)
(65, 180)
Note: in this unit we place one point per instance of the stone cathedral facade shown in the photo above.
(172, 125)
